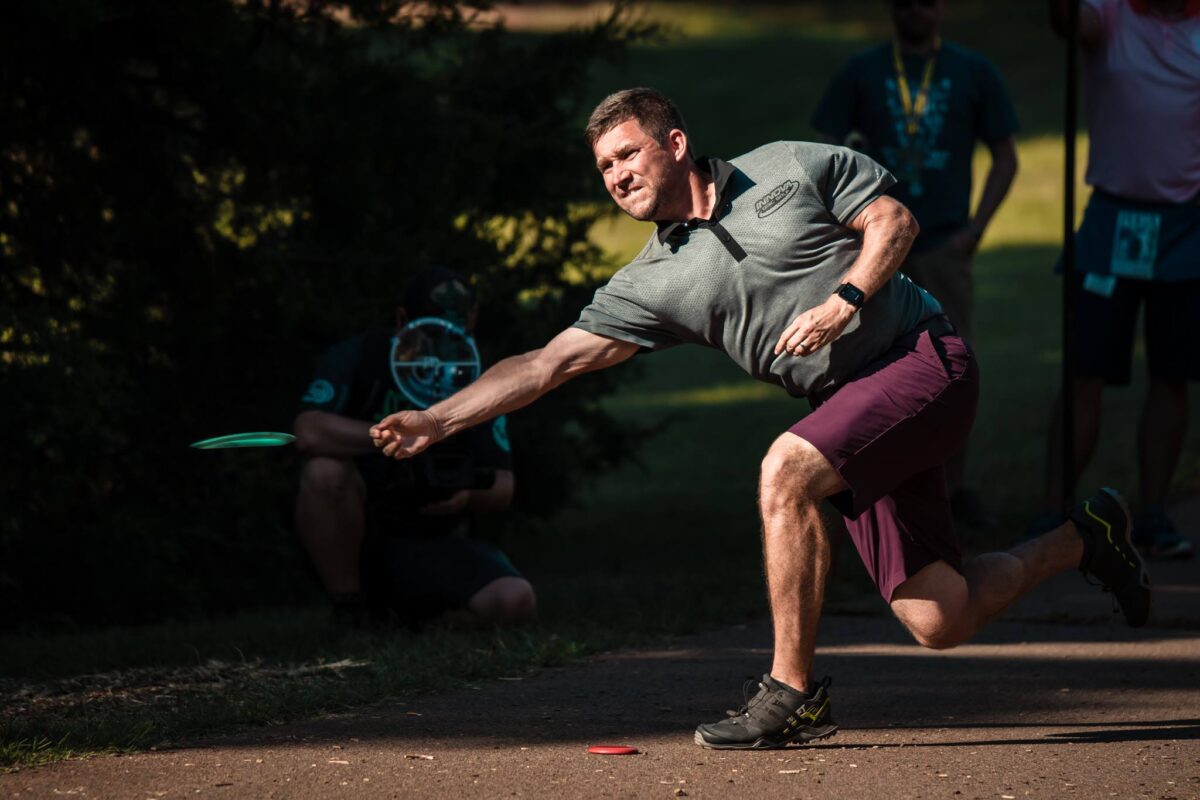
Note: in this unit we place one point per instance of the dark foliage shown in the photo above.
(195, 198)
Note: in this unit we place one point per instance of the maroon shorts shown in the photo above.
(888, 431)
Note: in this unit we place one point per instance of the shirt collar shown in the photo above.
(721, 171)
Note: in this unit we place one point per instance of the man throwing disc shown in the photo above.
(785, 258)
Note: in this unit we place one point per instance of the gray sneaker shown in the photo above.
(1104, 522)
(775, 716)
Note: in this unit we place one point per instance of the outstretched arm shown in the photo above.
(511, 384)
(887, 230)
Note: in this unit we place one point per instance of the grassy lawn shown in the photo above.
(666, 546)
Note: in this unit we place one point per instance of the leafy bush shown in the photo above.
(195, 199)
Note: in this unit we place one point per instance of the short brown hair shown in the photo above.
(652, 109)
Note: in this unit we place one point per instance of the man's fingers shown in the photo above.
(788, 333)
(802, 340)
(793, 335)
(783, 337)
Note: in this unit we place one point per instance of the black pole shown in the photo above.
(1069, 283)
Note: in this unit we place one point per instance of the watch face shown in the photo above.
(851, 294)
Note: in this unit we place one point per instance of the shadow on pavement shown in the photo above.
(1093, 733)
(1019, 679)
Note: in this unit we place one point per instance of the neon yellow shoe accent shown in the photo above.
(815, 715)
(1087, 507)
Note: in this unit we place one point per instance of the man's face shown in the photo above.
(916, 20)
(638, 172)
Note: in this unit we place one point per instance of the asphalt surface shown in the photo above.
(1080, 706)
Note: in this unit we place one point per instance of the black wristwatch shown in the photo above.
(851, 294)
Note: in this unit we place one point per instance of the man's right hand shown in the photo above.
(406, 433)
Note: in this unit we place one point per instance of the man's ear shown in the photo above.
(677, 143)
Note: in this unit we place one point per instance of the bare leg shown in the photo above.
(329, 517)
(1088, 394)
(942, 608)
(795, 476)
(1160, 438)
(504, 601)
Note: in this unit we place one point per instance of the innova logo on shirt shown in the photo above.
(777, 197)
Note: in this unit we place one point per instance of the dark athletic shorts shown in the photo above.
(1136, 254)
(1105, 328)
(421, 577)
(888, 432)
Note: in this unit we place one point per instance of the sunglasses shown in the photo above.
(904, 5)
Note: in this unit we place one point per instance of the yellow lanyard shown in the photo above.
(914, 112)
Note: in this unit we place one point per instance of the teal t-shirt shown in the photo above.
(967, 103)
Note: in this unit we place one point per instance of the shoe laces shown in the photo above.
(753, 691)
(1104, 587)
(761, 691)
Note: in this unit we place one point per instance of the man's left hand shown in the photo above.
(816, 327)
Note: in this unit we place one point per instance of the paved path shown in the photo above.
(1086, 708)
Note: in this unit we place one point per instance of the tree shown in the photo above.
(194, 199)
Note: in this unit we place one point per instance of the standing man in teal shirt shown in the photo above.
(918, 105)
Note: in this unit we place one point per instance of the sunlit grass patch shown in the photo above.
(699, 20)
(747, 391)
(1032, 214)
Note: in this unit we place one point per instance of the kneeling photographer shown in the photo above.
(389, 539)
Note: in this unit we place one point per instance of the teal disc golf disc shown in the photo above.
(256, 439)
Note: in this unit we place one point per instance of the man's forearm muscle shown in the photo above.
(517, 381)
(511, 384)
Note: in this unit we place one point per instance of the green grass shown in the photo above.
(655, 549)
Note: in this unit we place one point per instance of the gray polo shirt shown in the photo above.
(776, 246)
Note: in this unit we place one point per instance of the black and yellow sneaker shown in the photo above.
(775, 716)
(1104, 523)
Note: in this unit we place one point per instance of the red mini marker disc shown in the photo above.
(612, 750)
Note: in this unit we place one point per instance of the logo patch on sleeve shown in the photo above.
(319, 392)
(775, 198)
